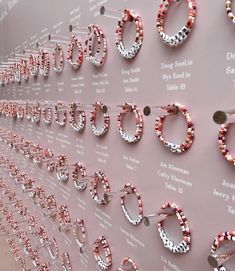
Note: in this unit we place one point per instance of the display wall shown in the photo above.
(199, 74)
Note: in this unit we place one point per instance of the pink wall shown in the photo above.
(210, 85)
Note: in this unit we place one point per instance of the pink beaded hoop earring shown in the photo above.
(183, 34)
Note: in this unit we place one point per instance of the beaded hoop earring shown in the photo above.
(79, 226)
(129, 108)
(28, 111)
(58, 51)
(25, 69)
(47, 115)
(53, 248)
(218, 241)
(127, 263)
(98, 106)
(50, 206)
(17, 74)
(79, 171)
(183, 34)
(57, 109)
(99, 178)
(62, 168)
(78, 125)
(103, 265)
(44, 67)
(184, 245)
(34, 64)
(97, 59)
(229, 10)
(222, 144)
(47, 159)
(36, 113)
(132, 190)
(75, 42)
(65, 262)
(20, 111)
(129, 15)
(175, 148)
(64, 218)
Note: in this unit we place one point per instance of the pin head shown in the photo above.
(70, 28)
(212, 261)
(81, 250)
(106, 197)
(102, 10)
(73, 106)
(175, 110)
(105, 109)
(147, 111)
(220, 117)
(146, 221)
(128, 16)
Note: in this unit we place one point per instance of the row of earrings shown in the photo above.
(77, 118)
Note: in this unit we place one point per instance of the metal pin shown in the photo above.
(61, 107)
(56, 36)
(49, 160)
(26, 148)
(22, 56)
(56, 40)
(77, 106)
(65, 227)
(42, 46)
(86, 247)
(38, 152)
(107, 108)
(104, 10)
(48, 103)
(110, 195)
(29, 190)
(224, 117)
(111, 108)
(216, 261)
(50, 213)
(77, 29)
(47, 243)
(125, 106)
(86, 179)
(7, 64)
(161, 110)
(65, 167)
(22, 221)
(157, 217)
(18, 144)
(19, 55)
(30, 51)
